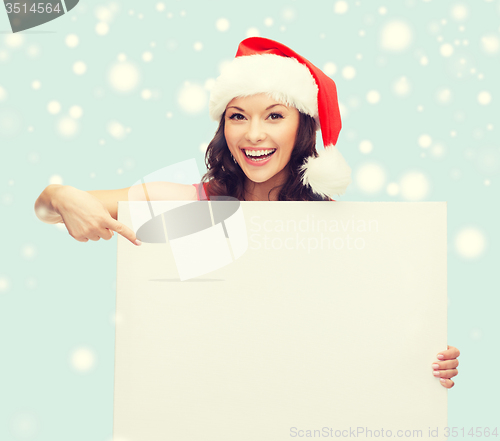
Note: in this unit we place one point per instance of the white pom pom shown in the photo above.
(328, 174)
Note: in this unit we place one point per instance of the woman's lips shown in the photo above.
(258, 161)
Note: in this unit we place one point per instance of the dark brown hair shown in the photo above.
(226, 178)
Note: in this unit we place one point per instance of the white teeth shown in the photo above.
(258, 152)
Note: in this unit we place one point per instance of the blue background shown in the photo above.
(57, 295)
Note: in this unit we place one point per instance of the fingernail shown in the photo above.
(440, 357)
(436, 373)
(435, 366)
(138, 242)
(443, 380)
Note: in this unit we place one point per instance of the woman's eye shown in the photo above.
(275, 116)
(237, 116)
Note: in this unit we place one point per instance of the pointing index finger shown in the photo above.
(125, 231)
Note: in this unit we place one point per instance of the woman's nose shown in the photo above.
(255, 132)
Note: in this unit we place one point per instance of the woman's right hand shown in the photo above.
(86, 217)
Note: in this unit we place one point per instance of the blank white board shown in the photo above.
(327, 325)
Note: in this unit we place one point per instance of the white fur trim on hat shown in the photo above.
(328, 174)
(284, 79)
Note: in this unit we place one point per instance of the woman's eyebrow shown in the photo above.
(267, 108)
(278, 104)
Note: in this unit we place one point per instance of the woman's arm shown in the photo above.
(46, 206)
(93, 214)
(152, 191)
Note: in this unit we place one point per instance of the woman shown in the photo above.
(269, 102)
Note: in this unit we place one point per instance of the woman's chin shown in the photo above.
(264, 174)
(259, 176)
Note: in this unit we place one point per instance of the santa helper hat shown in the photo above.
(266, 66)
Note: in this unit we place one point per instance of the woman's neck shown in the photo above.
(259, 191)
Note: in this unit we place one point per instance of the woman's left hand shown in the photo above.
(445, 367)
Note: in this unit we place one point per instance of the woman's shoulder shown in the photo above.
(201, 191)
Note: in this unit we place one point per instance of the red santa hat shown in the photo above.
(266, 66)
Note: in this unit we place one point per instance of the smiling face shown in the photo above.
(260, 133)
